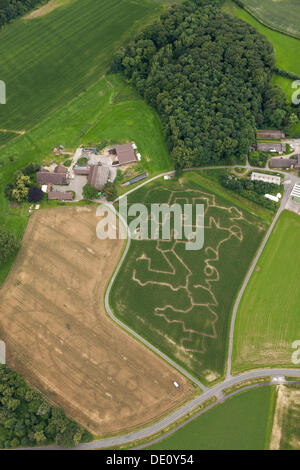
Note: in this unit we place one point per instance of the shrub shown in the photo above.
(35, 194)
(30, 169)
(8, 245)
(89, 192)
(110, 191)
(82, 161)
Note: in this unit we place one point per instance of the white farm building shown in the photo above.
(265, 178)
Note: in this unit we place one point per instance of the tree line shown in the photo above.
(11, 9)
(252, 190)
(208, 75)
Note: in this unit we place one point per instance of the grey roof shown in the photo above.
(98, 176)
(268, 146)
(82, 170)
(281, 162)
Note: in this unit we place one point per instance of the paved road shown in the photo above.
(196, 415)
(206, 392)
(182, 411)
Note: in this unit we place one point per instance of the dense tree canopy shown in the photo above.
(208, 76)
(11, 9)
(27, 419)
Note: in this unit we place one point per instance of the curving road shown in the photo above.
(230, 380)
(217, 391)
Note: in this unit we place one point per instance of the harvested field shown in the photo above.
(58, 335)
(285, 431)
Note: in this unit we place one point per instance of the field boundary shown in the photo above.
(267, 25)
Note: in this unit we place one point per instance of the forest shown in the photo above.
(26, 419)
(208, 75)
(11, 9)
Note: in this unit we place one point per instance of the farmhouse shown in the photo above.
(124, 154)
(98, 176)
(265, 178)
(271, 147)
(45, 177)
(60, 196)
(270, 134)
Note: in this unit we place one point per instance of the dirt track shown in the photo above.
(58, 335)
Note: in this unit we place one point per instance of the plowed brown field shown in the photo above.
(59, 337)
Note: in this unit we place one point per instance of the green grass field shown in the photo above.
(5, 137)
(241, 423)
(283, 15)
(268, 317)
(181, 300)
(48, 61)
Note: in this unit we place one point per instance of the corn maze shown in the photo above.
(181, 300)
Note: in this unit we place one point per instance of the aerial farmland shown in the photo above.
(149, 227)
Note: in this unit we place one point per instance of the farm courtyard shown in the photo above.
(58, 336)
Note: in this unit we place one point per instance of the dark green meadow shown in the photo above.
(181, 300)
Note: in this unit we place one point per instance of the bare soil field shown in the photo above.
(59, 337)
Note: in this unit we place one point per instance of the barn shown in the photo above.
(125, 154)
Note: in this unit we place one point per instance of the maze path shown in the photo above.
(199, 320)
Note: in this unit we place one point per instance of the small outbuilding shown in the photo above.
(265, 178)
(60, 196)
(82, 170)
(270, 134)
